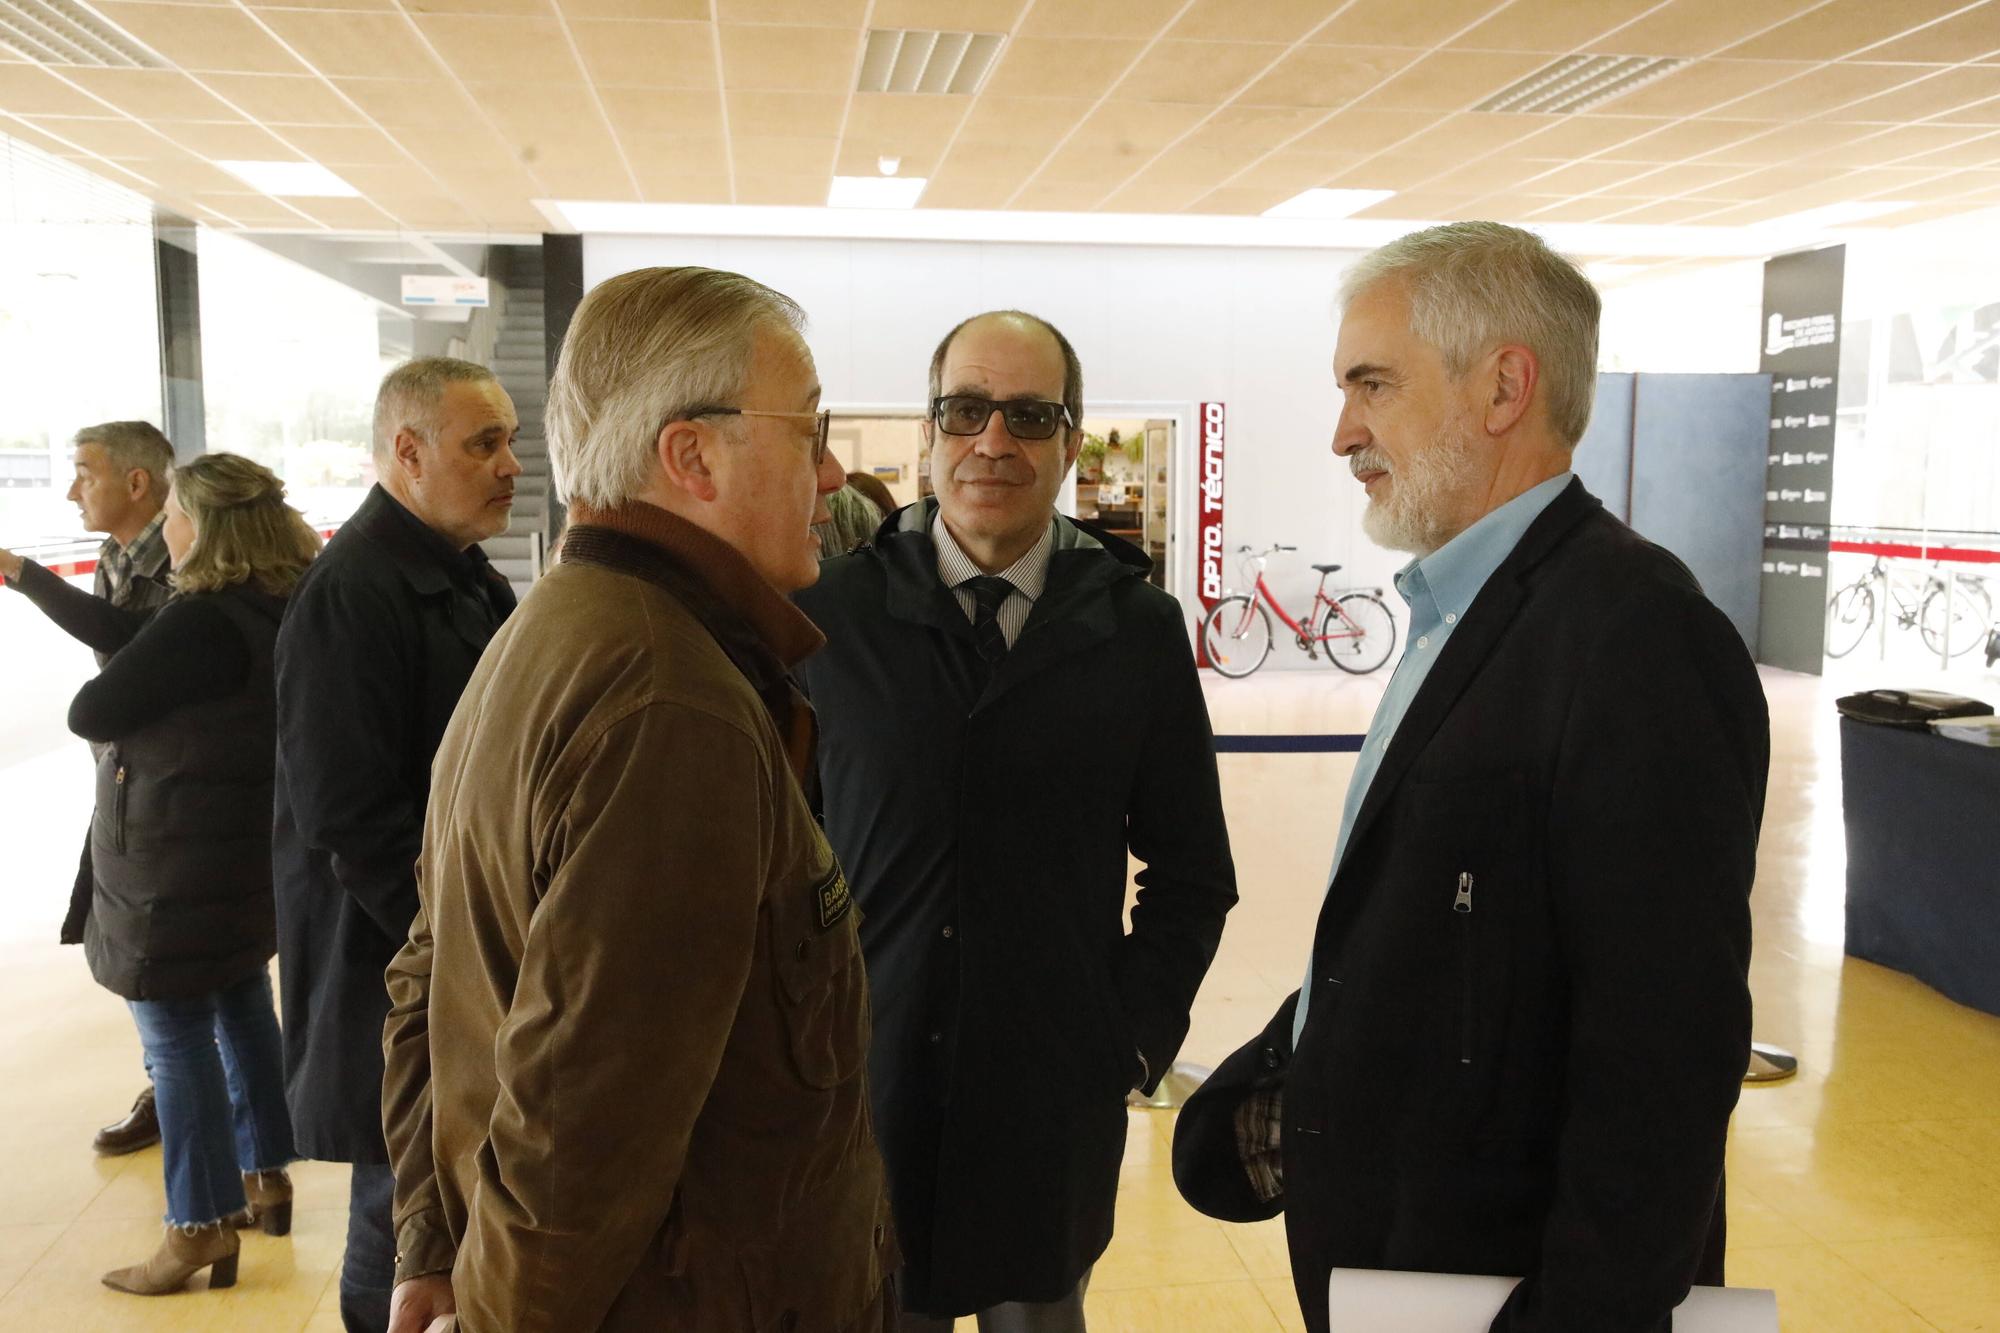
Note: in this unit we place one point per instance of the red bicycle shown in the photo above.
(1354, 627)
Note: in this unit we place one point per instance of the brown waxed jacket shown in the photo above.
(626, 1056)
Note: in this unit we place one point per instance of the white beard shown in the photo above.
(1420, 513)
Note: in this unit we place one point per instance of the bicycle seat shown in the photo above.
(1327, 569)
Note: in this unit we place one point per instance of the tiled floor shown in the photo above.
(1867, 1191)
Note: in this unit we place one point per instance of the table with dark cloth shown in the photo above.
(1923, 857)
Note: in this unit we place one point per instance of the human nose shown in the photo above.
(994, 439)
(832, 476)
(510, 462)
(1348, 433)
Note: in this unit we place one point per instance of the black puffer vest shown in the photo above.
(181, 839)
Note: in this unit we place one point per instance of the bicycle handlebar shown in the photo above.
(1244, 550)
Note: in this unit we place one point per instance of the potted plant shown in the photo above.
(1090, 459)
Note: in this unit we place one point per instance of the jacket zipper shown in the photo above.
(1462, 905)
(119, 780)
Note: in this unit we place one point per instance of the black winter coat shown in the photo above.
(1530, 1013)
(381, 636)
(984, 817)
(180, 846)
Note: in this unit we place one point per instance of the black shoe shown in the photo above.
(141, 1129)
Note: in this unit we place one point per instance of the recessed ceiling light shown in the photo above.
(875, 191)
(297, 180)
(1327, 204)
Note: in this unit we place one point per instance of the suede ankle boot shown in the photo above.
(184, 1252)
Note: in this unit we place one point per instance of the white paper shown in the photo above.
(1368, 1300)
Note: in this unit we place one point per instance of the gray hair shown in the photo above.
(133, 446)
(412, 396)
(1072, 391)
(1475, 285)
(643, 349)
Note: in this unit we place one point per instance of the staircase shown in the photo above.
(520, 361)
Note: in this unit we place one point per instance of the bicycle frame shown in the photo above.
(1353, 630)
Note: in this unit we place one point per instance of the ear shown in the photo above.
(1514, 373)
(409, 451)
(1072, 448)
(687, 454)
(138, 484)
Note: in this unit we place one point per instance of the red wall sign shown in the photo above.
(1209, 528)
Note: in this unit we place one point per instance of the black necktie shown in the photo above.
(988, 592)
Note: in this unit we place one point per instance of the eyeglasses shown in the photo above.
(822, 428)
(1026, 418)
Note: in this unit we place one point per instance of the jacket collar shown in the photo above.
(427, 561)
(1074, 611)
(724, 575)
(1469, 649)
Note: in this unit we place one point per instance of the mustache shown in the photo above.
(1365, 460)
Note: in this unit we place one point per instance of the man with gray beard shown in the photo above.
(1526, 1014)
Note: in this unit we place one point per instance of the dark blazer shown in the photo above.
(379, 640)
(180, 845)
(1534, 1076)
(984, 816)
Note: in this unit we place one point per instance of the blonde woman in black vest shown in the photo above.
(181, 922)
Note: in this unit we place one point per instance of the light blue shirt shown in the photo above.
(1439, 588)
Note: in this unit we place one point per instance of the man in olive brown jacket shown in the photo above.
(625, 1061)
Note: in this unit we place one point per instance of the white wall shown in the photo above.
(1158, 330)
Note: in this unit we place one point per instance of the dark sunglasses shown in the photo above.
(1026, 418)
(822, 430)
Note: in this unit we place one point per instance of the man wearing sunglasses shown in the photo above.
(1008, 710)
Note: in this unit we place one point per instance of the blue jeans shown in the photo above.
(219, 1080)
(368, 1270)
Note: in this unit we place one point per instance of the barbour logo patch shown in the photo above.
(834, 899)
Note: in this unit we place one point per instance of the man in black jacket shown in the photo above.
(120, 486)
(1009, 708)
(1526, 1015)
(378, 642)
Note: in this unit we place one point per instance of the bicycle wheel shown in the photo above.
(1971, 612)
(1236, 635)
(1849, 613)
(1360, 647)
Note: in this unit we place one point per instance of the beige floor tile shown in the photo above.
(1261, 1247)
(1954, 1282)
(1223, 1307)
(1819, 1293)
(1147, 1254)
(1886, 1181)
(21, 1246)
(49, 1174)
(1754, 1223)
(1283, 1298)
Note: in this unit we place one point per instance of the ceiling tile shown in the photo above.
(1824, 90)
(773, 113)
(1792, 143)
(773, 156)
(109, 138)
(1395, 171)
(1978, 152)
(856, 158)
(1240, 200)
(506, 8)
(347, 214)
(1499, 172)
(1451, 80)
(251, 210)
(1839, 28)
(1150, 196)
(26, 90)
(806, 60)
(1582, 177)
(352, 5)
(152, 94)
(608, 181)
(345, 147)
(1697, 27)
(1703, 84)
(1204, 73)
(1004, 164)
(1669, 212)
(201, 38)
(966, 192)
(1589, 208)
(1695, 178)
(662, 111)
(536, 117)
(1059, 196)
(1946, 91)
(1026, 121)
(1291, 172)
(373, 46)
(283, 99)
(1400, 23)
(1055, 67)
(648, 55)
(1551, 27)
(231, 143)
(1948, 185)
(1099, 18)
(1363, 132)
(1473, 134)
(796, 13)
(1690, 138)
(404, 183)
(1246, 133)
(427, 102)
(1581, 136)
(1327, 76)
(1982, 113)
(1422, 207)
(491, 49)
(1134, 127)
(1972, 35)
(915, 129)
(1264, 21)
(685, 187)
(190, 176)
(462, 152)
(948, 15)
(1893, 145)
(1074, 164)
(662, 10)
(655, 155)
(795, 191)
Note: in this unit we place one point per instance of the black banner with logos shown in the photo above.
(1802, 295)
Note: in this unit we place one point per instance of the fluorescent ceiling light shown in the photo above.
(1327, 204)
(875, 191)
(1835, 215)
(297, 180)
